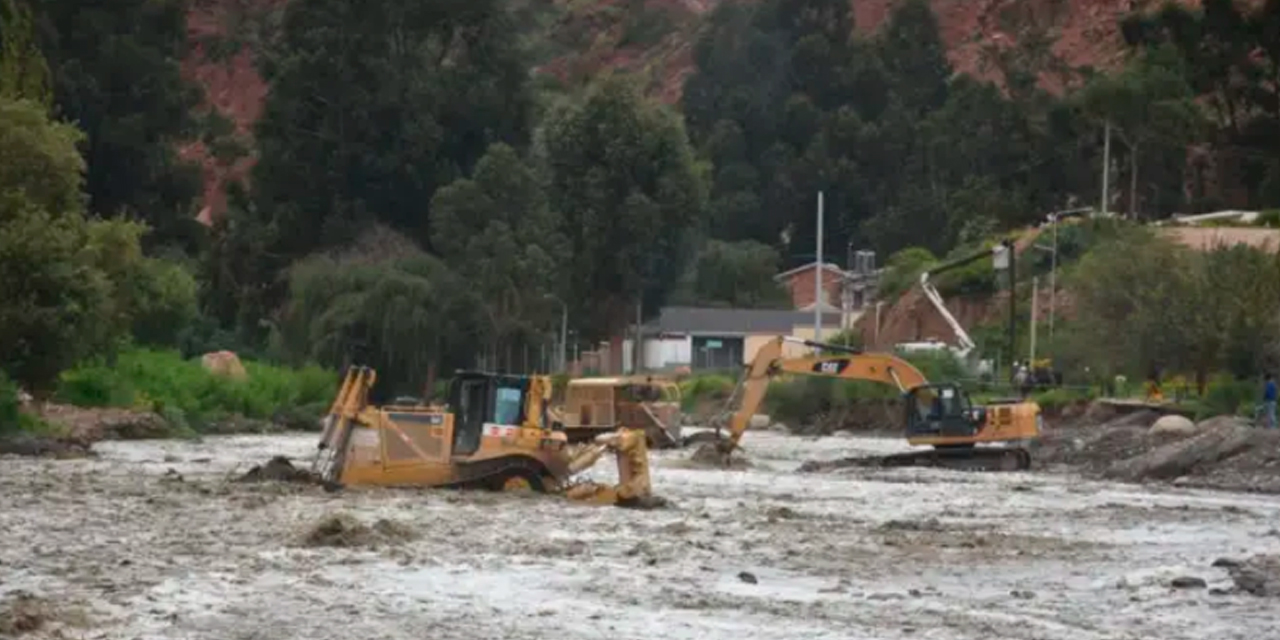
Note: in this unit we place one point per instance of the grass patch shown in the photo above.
(187, 395)
(713, 387)
(1053, 401)
(1226, 396)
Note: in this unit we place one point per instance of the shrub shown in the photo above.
(1225, 395)
(902, 270)
(1053, 401)
(162, 381)
(9, 414)
(712, 387)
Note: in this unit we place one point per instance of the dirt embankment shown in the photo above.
(1224, 452)
(74, 430)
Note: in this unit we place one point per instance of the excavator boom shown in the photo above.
(849, 364)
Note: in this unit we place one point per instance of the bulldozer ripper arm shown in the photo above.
(632, 453)
(845, 363)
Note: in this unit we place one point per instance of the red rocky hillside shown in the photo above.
(602, 34)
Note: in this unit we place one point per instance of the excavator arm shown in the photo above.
(847, 363)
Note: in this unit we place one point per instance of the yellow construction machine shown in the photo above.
(940, 416)
(593, 406)
(493, 433)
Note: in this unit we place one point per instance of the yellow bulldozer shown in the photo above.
(593, 406)
(492, 433)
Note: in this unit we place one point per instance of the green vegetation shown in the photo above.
(187, 394)
(422, 204)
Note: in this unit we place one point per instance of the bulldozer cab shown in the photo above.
(941, 410)
(481, 399)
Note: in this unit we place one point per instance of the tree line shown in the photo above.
(419, 202)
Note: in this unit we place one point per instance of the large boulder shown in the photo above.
(1174, 425)
(224, 363)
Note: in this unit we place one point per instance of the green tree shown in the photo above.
(903, 269)
(375, 106)
(734, 274)
(52, 294)
(914, 57)
(1148, 103)
(498, 233)
(622, 174)
(24, 73)
(381, 302)
(1137, 308)
(116, 74)
(150, 300)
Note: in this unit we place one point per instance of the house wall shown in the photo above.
(667, 352)
(789, 349)
(805, 331)
(661, 353)
(802, 290)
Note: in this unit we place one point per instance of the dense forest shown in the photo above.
(421, 201)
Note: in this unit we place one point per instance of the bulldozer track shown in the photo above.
(486, 473)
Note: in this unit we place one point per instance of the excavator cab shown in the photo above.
(943, 410)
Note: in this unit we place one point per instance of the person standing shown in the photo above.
(1269, 401)
(1020, 379)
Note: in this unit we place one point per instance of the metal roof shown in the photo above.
(829, 266)
(723, 321)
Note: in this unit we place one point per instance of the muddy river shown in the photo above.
(150, 540)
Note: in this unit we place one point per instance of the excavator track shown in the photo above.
(984, 459)
(963, 459)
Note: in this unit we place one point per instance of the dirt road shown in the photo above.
(120, 547)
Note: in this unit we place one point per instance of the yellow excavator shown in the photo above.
(940, 416)
(492, 433)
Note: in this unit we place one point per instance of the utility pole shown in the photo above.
(1035, 289)
(1106, 164)
(1013, 302)
(637, 351)
(817, 281)
(564, 328)
(1053, 279)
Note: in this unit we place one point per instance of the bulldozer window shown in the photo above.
(471, 413)
(506, 409)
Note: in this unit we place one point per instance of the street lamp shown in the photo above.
(564, 328)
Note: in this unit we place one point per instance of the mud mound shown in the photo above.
(44, 446)
(1222, 452)
(1182, 456)
(278, 469)
(1227, 454)
(23, 613)
(344, 530)
(1098, 447)
(107, 424)
(708, 456)
(1259, 575)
